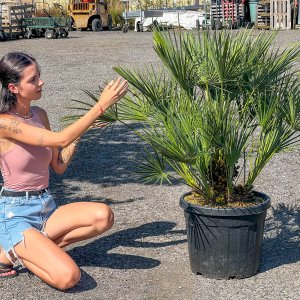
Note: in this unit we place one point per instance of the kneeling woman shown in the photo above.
(32, 230)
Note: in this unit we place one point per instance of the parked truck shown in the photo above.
(89, 14)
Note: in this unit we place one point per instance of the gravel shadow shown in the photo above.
(281, 244)
(99, 252)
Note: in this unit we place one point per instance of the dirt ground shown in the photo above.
(145, 255)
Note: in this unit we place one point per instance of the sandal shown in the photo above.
(7, 268)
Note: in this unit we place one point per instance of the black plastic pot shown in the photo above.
(225, 243)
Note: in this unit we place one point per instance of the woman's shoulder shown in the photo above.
(39, 110)
(42, 115)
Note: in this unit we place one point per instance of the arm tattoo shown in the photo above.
(2, 125)
(66, 154)
(13, 127)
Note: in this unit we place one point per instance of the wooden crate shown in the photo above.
(227, 11)
(280, 14)
(242, 10)
(4, 11)
(263, 15)
(8, 8)
(11, 15)
(216, 11)
(230, 10)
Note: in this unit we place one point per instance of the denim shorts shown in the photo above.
(18, 214)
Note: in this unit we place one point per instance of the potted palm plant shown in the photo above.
(221, 106)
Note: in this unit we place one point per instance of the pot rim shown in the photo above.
(226, 211)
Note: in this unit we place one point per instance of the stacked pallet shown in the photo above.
(12, 11)
(263, 15)
(230, 11)
(11, 14)
(227, 12)
(273, 14)
(280, 14)
(216, 10)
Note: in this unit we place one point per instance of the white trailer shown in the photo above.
(184, 19)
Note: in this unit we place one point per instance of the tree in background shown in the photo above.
(115, 8)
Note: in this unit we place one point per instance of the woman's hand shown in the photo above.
(112, 93)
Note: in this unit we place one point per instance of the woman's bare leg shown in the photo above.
(70, 223)
(78, 221)
(47, 260)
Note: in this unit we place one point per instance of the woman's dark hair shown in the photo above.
(11, 67)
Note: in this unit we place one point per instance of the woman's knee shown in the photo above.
(104, 218)
(67, 278)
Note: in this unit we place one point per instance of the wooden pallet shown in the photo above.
(11, 15)
(280, 14)
(216, 11)
(262, 15)
(242, 10)
(230, 10)
(227, 11)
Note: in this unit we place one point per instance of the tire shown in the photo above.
(109, 27)
(3, 36)
(140, 27)
(28, 34)
(63, 33)
(49, 34)
(96, 25)
(36, 33)
(71, 25)
(125, 28)
(39, 33)
(154, 25)
(56, 34)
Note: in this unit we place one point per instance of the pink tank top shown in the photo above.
(26, 167)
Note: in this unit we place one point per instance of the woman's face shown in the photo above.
(30, 85)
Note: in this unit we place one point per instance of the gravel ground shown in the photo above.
(145, 255)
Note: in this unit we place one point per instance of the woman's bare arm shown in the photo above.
(61, 157)
(11, 128)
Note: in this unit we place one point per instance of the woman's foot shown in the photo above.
(7, 271)
(6, 267)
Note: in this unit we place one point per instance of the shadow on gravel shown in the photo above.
(86, 283)
(99, 252)
(104, 158)
(281, 245)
